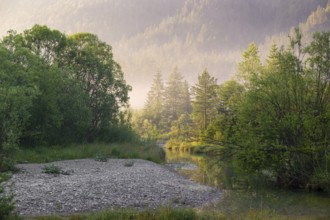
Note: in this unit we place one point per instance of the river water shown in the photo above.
(207, 170)
(196, 167)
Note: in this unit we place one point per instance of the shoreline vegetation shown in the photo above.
(193, 147)
(269, 122)
(236, 204)
(98, 151)
(267, 125)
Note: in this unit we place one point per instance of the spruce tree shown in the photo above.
(205, 100)
(153, 108)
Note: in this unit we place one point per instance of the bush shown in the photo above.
(6, 202)
(101, 158)
(320, 181)
(173, 144)
(52, 169)
(129, 163)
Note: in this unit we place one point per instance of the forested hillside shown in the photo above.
(102, 17)
(228, 25)
(159, 35)
(213, 34)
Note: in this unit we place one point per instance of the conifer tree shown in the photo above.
(173, 106)
(205, 100)
(250, 67)
(153, 108)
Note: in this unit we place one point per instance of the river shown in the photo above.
(207, 170)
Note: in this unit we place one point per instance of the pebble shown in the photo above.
(94, 186)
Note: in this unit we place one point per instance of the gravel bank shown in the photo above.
(94, 185)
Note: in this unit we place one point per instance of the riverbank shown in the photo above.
(247, 203)
(192, 147)
(101, 151)
(91, 185)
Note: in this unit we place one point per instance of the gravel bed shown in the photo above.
(94, 185)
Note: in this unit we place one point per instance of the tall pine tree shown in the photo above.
(173, 105)
(153, 108)
(205, 100)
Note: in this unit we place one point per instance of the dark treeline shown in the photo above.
(270, 123)
(57, 89)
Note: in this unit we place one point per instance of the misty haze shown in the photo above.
(148, 36)
(164, 109)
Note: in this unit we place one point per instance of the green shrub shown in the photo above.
(52, 169)
(115, 152)
(6, 206)
(129, 163)
(320, 181)
(6, 202)
(101, 158)
(172, 144)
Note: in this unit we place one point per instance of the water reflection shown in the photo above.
(199, 168)
(208, 170)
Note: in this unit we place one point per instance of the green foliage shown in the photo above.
(205, 101)
(279, 131)
(250, 67)
(6, 207)
(177, 99)
(148, 151)
(222, 129)
(6, 202)
(101, 158)
(16, 95)
(92, 63)
(161, 213)
(272, 122)
(56, 170)
(129, 163)
(52, 169)
(69, 87)
(181, 129)
(154, 105)
(165, 108)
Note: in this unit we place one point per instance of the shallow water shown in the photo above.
(208, 171)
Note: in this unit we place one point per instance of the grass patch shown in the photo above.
(163, 213)
(171, 213)
(99, 151)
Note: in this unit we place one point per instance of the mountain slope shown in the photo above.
(209, 33)
(152, 35)
(109, 19)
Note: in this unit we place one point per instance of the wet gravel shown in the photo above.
(92, 185)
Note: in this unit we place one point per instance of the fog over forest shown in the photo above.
(158, 35)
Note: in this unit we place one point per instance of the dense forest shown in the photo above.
(269, 122)
(58, 89)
